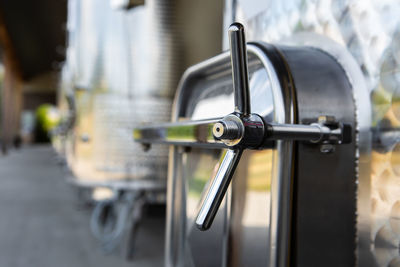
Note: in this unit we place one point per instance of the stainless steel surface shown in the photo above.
(264, 87)
(240, 73)
(113, 58)
(184, 133)
(216, 192)
(368, 30)
(278, 246)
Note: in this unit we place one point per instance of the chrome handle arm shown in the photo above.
(240, 73)
(217, 189)
(182, 133)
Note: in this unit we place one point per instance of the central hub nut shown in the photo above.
(226, 130)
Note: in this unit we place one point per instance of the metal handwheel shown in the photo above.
(238, 131)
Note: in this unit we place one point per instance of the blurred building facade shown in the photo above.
(32, 38)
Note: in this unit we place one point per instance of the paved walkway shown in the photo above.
(42, 224)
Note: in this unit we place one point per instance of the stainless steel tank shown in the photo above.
(267, 218)
(124, 67)
(369, 31)
(122, 70)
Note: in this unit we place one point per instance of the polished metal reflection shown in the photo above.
(183, 133)
(250, 210)
(217, 189)
(266, 100)
(240, 72)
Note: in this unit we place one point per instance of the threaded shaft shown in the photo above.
(228, 130)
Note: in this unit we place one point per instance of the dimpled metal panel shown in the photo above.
(370, 31)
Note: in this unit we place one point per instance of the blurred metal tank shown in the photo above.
(122, 70)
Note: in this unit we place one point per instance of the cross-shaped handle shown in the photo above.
(237, 131)
(230, 129)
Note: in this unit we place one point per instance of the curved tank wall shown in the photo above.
(370, 31)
